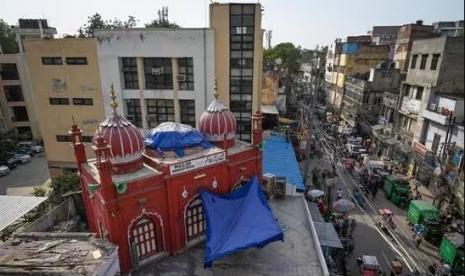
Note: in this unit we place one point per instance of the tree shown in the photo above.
(7, 38)
(290, 57)
(8, 142)
(95, 22)
(162, 21)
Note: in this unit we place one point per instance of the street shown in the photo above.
(369, 239)
(32, 174)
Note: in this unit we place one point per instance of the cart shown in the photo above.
(385, 219)
(369, 266)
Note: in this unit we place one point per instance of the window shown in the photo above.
(435, 145)
(64, 138)
(8, 71)
(419, 93)
(129, 69)
(144, 239)
(159, 111)
(13, 93)
(87, 139)
(158, 73)
(58, 101)
(83, 101)
(186, 73)
(424, 58)
(52, 61)
(76, 60)
(242, 25)
(413, 64)
(187, 112)
(20, 114)
(435, 61)
(134, 114)
(195, 220)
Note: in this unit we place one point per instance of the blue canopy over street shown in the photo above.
(237, 221)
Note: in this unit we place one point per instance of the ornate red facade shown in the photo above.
(150, 207)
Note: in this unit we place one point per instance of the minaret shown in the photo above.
(79, 148)
(257, 130)
(103, 156)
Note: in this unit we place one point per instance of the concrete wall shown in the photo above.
(451, 80)
(457, 135)
(384, 79)
(170, 43)
(59, 213)
(77, 81)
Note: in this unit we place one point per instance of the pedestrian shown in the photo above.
(323, 175)
(338, 194)
(315, 180)
(374, 191)
(417, 195)
(353, 224)
(418, 239)
(359, 261)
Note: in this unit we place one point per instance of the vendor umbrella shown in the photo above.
(343, 206)
(316, 193)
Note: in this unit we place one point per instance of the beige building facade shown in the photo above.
(65, 81)
(238, 59)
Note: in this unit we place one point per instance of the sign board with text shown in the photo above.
(201, 162)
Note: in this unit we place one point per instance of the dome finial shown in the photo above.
(215, 90)
(113, 103)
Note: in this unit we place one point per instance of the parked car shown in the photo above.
(26, 150)
(32, 146)
(4, 170)
(23, 158)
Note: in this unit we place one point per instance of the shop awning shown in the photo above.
(285, 121)
(270, 109)
(237, 221)
(14, 207)
(327, 235)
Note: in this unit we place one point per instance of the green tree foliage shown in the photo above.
(8, 141)
(7, 38)
(61, 185)
(95, 22)
(162, 21)
(290, 56)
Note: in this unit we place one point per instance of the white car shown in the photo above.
(4, 170)
(23, 158)
(32, 146)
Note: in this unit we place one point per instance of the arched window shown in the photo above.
(195, 220)
(144, 238)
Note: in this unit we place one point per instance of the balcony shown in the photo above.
(410, 106)
(435, 116)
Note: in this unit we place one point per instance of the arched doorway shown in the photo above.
(195, 220)
(145, 238)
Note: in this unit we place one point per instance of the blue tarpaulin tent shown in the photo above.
(279, 159)
(175, 137)
(237, 221)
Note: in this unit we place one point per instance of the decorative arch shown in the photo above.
(194, 220)
(146, 237)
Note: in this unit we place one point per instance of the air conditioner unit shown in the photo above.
(181, 77)
(433, 107)
(157, 70)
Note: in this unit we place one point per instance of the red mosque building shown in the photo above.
(147, 202)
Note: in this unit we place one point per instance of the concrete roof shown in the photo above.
(14, 207)
(295, 256)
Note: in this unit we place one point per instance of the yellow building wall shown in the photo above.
(269, 89)
(78, 81)
(219, 22)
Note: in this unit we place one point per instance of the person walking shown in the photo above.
(338, 194)
(374, 191)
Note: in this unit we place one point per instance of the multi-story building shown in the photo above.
(449, 28)
(332, 70)
(238, 59)
(433, 89)
(405, 37)
(356, 59)
(163, 74)
(65, 82)
(364, 94)
(16, 99)
(385, 35)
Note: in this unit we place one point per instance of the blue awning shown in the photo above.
(237, 221)
(279, 159)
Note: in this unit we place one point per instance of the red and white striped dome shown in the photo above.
(218, 123)
(125, 141)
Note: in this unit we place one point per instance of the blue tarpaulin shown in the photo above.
(175, 137)
(279, 160)
(237, 221)
(349, 48)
